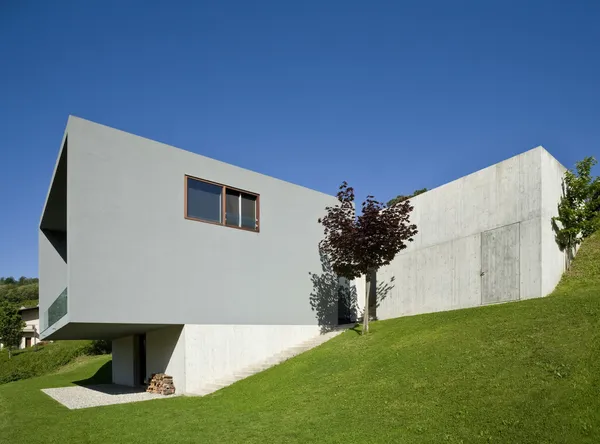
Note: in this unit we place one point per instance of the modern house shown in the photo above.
(483, 239)
(31, 331)
(191, 266)
(201, 269)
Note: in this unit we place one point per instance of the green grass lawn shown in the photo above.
(526, 372)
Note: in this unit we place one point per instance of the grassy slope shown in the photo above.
(525, 372)
(29, 362)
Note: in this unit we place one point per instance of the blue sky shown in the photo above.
(390, 96)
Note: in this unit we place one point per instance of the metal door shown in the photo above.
(500, 278)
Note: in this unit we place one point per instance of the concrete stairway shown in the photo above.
(270, 362)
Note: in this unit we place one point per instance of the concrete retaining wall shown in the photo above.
(484, 238)
(216, 351)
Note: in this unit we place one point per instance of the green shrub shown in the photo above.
(99, 347)
(32, 362)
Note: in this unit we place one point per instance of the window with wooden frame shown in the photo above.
(220, 204)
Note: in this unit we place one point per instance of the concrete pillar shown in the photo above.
(123, 361)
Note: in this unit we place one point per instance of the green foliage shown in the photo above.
(11, 326)
(99, 347)
(29, 362)
(356, 245)
(30, 303)
(402, 197)
(359, 245)
(19, 291)
(9, 280)
(579, 208)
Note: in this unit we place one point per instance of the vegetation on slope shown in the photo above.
(22, 292)
(30, 362)
(525, 372)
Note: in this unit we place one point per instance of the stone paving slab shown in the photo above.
(82, 397)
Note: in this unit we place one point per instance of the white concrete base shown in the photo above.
(204, 388)
(214, 352)
(204, 358)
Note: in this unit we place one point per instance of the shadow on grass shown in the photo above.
(102, 376)
(356, 329)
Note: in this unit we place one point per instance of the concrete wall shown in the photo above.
(216, 351)
(484, 238)
(195, 355)
(499, 195)
(52, 239)
(123, 361)
(53, 274)
(130, 246)
(165, 353)
(553, 260)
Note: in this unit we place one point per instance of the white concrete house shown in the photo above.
(191, 266)
(31, 331)
(206, 271)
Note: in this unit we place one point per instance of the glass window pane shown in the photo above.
(232, 208)
(248, 211)
(204, 200)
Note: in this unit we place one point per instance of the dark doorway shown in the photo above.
(27, 342)
(141, 358)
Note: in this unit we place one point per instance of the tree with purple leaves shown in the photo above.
(358, 245)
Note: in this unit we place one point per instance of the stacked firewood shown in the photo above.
(161, 384)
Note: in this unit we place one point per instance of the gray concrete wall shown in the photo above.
(484, 238)
(52, 244)
(53, 275)
(213, 352)
(123, 361)
(165, 353)
(133, 258)
(553, 260)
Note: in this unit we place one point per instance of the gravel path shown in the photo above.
(79, 397)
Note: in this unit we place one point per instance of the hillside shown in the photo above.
(40, 360)
(524, 372)
(24, 291)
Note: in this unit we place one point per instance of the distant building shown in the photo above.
(31, 331)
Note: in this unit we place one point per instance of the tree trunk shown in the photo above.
(9, 352)
(570, 254)
(366, 315)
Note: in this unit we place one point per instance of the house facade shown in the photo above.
(31, 331)
(192, 266)
(30, 335)
(201, 269)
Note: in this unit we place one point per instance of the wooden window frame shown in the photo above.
(224, 189)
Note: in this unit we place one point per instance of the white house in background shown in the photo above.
(31, 331)
(192, 266)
